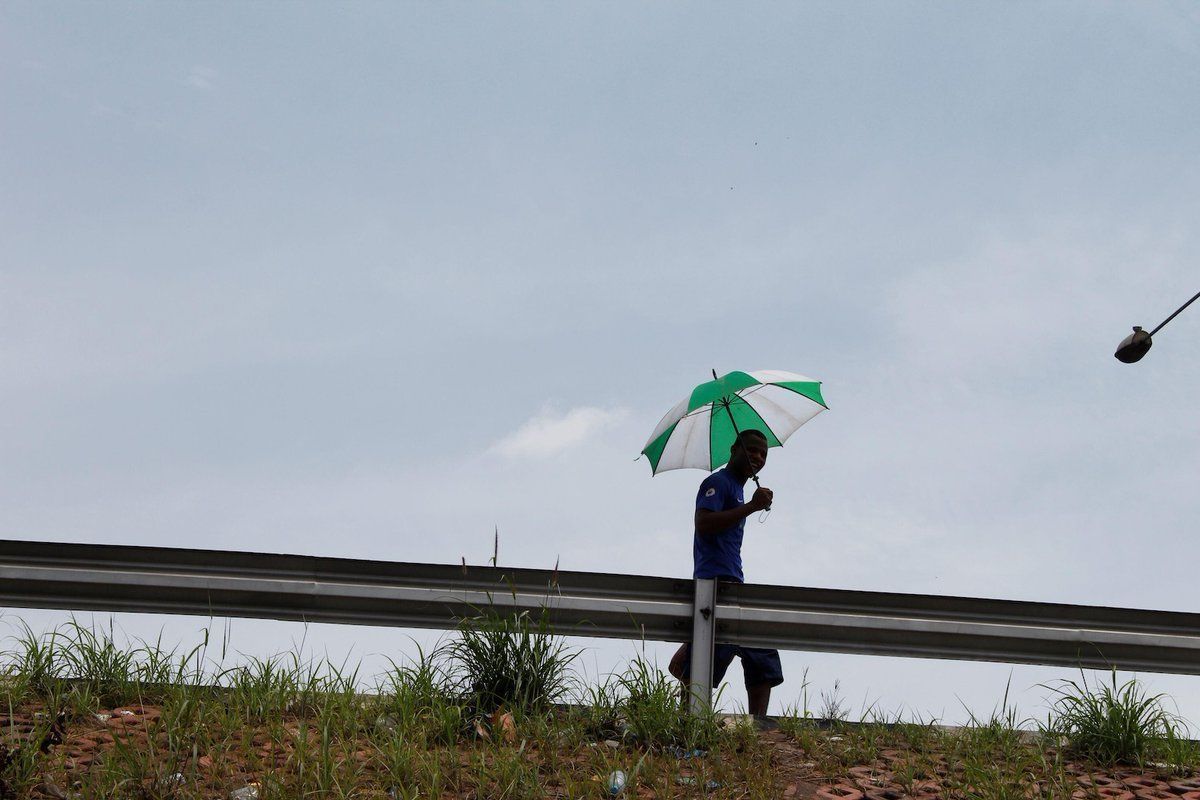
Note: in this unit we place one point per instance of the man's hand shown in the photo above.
(709, 522)
(762, 499)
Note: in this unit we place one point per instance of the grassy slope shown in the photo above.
(498, 714)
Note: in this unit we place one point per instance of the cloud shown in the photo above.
(201, 77)
(549, 433)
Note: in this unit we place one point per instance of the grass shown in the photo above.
(509, 660)
(1001, 755)
(497, 712)
(648, 703)
(1115, 724)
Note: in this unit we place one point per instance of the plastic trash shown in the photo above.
(616, 782)
(248, 792)
(680, 753)
(689, 780)
(172, 780)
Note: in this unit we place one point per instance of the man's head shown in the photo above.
(748, 455)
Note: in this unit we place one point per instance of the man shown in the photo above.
(717, 553)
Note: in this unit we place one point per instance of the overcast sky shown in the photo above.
(369, 280)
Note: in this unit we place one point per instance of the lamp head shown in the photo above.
(1134, 346)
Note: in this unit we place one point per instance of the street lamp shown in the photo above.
(1137, 344)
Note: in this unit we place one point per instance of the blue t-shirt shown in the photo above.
(719, 555)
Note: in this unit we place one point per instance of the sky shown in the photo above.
(375, 280)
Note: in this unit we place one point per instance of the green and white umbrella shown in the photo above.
(699, 431)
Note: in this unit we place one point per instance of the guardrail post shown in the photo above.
(704, 628)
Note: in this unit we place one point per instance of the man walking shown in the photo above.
(720, 518)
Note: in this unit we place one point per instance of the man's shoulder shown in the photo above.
(717, 484)
(720, 475)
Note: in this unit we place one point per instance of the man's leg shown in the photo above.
(681, 666)
(762, 671)
(759, 698)
(678, 666)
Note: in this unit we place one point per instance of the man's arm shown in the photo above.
(710, 522)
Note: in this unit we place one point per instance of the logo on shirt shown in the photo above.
(711, 491)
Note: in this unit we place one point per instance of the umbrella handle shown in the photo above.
(766, 511)
(759, 485)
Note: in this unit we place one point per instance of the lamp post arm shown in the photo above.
(1176, 314)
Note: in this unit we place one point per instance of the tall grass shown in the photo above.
(650, 706)
(1111, 724)
(500, 659)
(416, 703)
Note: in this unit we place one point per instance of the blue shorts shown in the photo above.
(759, 667)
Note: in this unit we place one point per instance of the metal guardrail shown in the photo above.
(161, 580)
(317, 589)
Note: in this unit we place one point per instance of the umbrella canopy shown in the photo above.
(698, 432)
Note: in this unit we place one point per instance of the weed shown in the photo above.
(159, 670)
(106, 672)
(415, 702)
(38, 662)
(264, 687)
(18, 770)
(999, 735)
(918, 735)
(650, 703)
(832, 707)
(651, 710)
(512, 660)
(1111, 724)
(1178, 755)
(799, 726)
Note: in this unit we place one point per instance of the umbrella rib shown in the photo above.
(695, 412)
(777, 409)
(802, 394)
(739, 393)
(705, 408)
(729, 411)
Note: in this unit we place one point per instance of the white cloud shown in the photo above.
(201, 77)
(549, 433)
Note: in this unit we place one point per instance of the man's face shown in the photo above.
(749, 455)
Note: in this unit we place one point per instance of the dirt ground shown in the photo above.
(126, 752)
